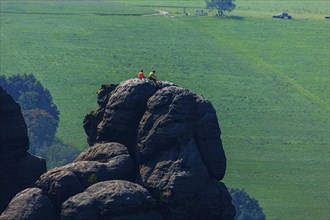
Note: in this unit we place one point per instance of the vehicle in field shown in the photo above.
(283, 15)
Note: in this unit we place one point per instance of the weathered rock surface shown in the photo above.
(156, 153)
(18, 168)
(119, 119)
(101, 162)
(30, 204)
(177, 158)
(173, 136)
(91, 121)
(117, 199)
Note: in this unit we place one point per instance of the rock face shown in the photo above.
(29, 204)
(105, 200)
(173, 136)
(155, 153)
(101, 162)
(18, 169)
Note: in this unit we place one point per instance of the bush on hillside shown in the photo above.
(247, 208)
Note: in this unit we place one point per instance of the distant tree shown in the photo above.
(247, 208)
(30, 93)
(221, 5)
(58, 154)
(3, 81)
(41, 129)
(28, 100)
(41, 116)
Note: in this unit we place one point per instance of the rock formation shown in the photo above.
(155, 153)
(173, 137)
(101, 162)
(29, 204)
(18, 168)
(105, 200)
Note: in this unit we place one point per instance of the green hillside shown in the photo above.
(267, 78)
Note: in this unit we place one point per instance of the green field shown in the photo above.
(267, 78)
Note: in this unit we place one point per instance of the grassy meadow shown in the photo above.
(267, 78)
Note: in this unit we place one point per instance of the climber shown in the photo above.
(152, 75)
(141, 74)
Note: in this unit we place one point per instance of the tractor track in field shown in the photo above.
(160, 13)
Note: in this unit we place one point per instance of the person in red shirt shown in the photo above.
(141, 74)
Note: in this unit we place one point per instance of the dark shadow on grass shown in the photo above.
(233, 17)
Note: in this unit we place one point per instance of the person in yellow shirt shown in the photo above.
(152, 75)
